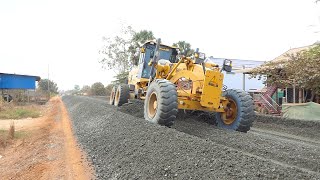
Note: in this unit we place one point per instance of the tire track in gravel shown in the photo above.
(288, 154)
(280, 148)
(125, 147)
(300, 128)
(284, 136)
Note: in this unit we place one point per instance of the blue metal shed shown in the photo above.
(17, 81)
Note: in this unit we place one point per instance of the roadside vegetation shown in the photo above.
(301, 69)
(19, 113)
(7, 136)
(96, 89)
(12, 111)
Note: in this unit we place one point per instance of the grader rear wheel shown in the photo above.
(112, 95)
(161, 102)
(122, 95)
(239, 112)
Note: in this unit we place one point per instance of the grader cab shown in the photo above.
(168, 82)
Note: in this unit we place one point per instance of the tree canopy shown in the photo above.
(116, 54)
(86, 89)
(43, 85)
(138, 39)
(184, 47)
(97, 89)
(119, 52)
(301, 69)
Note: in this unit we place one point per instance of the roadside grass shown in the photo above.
(17, 134)
(19, 113)
(7, 136)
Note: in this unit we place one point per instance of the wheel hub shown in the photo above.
(117, 96)
(152, 105)
(230, 114)
(112, 96)
(155, 104)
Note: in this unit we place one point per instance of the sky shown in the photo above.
(63, 37)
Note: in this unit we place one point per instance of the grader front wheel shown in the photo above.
(231, 113)
(161, 104)
(239, 112)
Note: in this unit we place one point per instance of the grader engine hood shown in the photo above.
(212, 88)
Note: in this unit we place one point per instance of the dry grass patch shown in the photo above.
(7, 136)
(19, 112)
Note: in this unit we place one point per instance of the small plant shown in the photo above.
(3, 138)
(2, 142)
(11, 130)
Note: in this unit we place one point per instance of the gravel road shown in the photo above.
(122, 145)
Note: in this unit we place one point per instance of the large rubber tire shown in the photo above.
(245, 111)
(122, 95)
(166, 102)
(112, 95)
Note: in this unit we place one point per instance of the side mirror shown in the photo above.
(199, 57)
(202, 56)
(227, 65)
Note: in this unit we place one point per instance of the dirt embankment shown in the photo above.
(46, 150)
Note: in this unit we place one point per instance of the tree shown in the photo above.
(109, 89)
(76, 87)
(120, 52)
(97, 89)
(301, 69)
(137, 40)
(43, 85)
(142, 36)
(86, 89)
(304, 70)
(116, 51)
(121, 78)
(184, 47)
(76, 90)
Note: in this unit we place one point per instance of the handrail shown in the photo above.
(267, 102)
(264, 97)
(273, 101)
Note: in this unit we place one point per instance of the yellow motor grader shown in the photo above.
(168, 82)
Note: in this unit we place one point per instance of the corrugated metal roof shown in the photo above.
(37, 77)
(17, 81)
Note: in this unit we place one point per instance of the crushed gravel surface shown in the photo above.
(122, 145)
